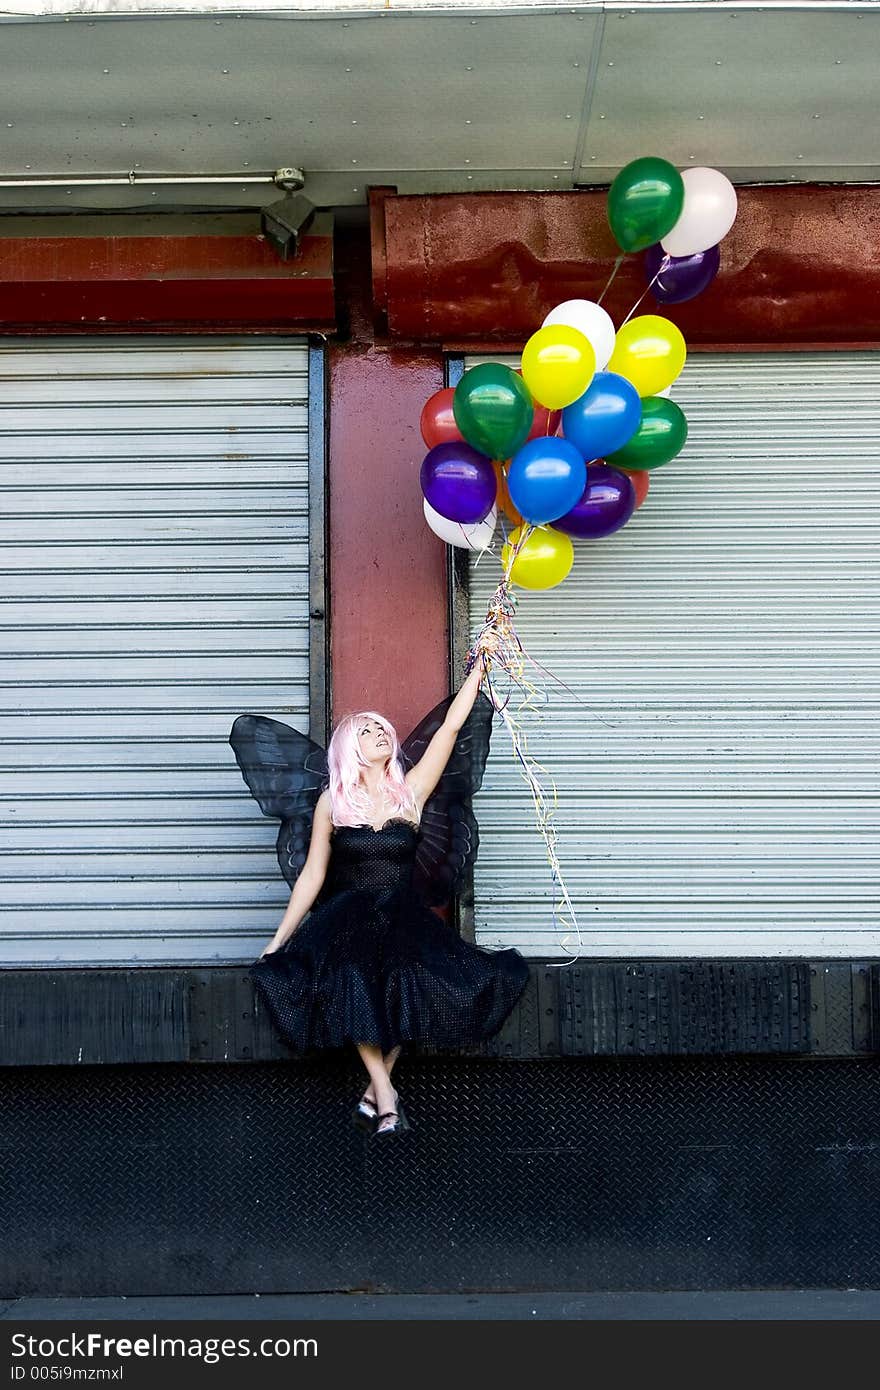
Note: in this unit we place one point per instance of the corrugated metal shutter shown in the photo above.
(155, 584)
(718, 787)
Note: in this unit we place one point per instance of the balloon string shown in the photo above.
(508, 655)
(544, 811)
(617, 264)
(663, 266)
(609, 723)
(512, 554)
(514, 550)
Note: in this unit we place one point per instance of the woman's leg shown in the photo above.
(391, 1057)
(380, 1090)
(388, 1060)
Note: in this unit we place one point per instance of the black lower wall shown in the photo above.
(586, 1008)
(575, 1174)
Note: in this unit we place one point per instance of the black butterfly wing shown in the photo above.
(286, 772)
(448, 834)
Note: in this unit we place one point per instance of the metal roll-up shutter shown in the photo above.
(155, 584)
(717, 772)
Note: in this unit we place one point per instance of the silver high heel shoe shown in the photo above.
(401, 1122)
(365, 1115)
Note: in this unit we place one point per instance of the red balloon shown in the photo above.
(438, 422)
(641, 480)
(545, 421)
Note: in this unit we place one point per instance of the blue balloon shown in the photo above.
(546, 478)
(604, 418)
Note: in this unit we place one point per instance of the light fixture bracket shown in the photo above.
(284, 222)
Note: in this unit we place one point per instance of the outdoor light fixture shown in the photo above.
(284, 222)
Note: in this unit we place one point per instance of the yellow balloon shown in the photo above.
(650, 352)
(558, 364)
(544, 560)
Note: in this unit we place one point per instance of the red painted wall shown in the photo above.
(387, 571)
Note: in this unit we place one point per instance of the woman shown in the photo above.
(372, 964)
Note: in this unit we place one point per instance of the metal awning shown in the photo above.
(425, 97)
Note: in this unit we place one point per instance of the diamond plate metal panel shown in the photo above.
(834, 1008)
(612, 1174)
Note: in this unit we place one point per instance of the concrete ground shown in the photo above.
(751, 1305)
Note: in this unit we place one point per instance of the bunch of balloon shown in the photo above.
(572, 437)
(563, 448)
(508, 455)
(623, 424)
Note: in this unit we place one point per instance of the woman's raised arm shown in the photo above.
(426, 773)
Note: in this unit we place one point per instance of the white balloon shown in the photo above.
(666, 392)
(591, 320)
(707, 214)
(472, 535)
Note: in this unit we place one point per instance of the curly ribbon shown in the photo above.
(509, 654)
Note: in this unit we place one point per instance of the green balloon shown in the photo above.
(493, 409)
(644, 202)
(660, 436)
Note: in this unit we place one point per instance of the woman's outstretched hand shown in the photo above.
(486, 649)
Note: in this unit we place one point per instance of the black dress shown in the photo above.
(371, 962)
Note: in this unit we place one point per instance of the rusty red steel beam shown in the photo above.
(799, 269)
(192, 284)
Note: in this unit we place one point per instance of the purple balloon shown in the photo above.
(682, 277)
(458, 482)
(608, 502)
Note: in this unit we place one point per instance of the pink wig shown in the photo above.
(349, 803)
